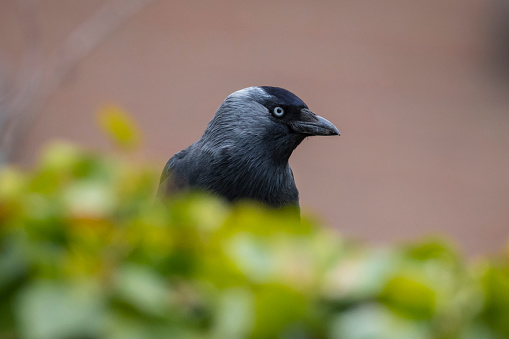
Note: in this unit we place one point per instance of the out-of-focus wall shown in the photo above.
(416, 89)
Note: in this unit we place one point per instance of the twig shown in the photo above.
(38, 85)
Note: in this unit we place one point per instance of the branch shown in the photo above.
(37, 85)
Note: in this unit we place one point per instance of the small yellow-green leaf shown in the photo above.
(12, 183)
(119, 126)
(410, 297)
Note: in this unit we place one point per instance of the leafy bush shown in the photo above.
(86, 252)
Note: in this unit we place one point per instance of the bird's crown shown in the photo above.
(268, 95)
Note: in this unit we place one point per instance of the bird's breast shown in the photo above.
(253, 179)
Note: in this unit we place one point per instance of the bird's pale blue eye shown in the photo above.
(278, 112)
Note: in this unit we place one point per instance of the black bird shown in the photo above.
(244, 151)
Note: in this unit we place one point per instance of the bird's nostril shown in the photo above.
(307, 115)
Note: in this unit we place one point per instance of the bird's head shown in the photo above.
(270, 116)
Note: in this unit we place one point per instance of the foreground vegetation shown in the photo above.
(86, 252)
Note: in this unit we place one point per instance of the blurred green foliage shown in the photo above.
(87, 252)
(119, 126)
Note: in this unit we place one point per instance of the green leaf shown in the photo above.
(143, 289)
(118, 125)
(234, 314)
(53, 310)
(375, 322)
(496, 289)
(410, 297)
(280, 310)
(252, 256)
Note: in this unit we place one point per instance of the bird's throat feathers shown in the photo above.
(253, 174)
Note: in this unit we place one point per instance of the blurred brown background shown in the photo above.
(419, 91)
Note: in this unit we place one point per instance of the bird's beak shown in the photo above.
(311, 124)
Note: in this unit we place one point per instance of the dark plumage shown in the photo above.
(244, 151)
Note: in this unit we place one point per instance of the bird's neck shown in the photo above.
(262, 179)
(258, 145)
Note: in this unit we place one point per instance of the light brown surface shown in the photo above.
(424, 145)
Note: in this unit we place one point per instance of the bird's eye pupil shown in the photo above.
(278, 112)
